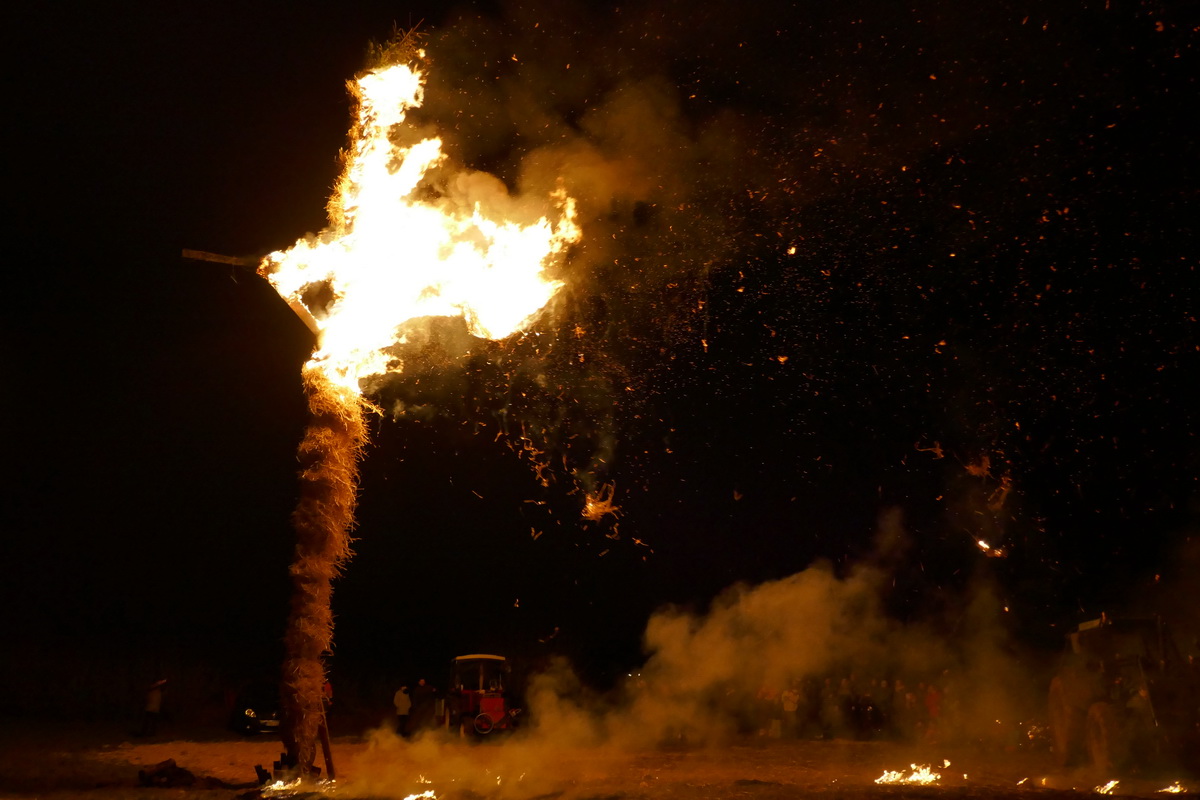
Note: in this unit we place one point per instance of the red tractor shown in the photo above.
(478, 702)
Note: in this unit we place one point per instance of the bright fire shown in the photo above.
(397, 250)
(922, 775)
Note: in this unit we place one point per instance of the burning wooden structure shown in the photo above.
(395, 250)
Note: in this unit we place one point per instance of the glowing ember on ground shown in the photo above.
(1107, 788)
(920, 775)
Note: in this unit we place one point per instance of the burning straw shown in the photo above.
(329, 455)
(405, 241)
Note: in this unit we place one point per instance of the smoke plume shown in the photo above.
(713, 677)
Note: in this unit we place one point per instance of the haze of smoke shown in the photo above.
(703, 672)
(689, 156)
(644, 177)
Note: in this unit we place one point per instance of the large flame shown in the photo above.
(390, 256)
(396, 250)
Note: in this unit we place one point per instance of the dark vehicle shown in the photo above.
(1124, 698)
(255, 709)
(479, 702)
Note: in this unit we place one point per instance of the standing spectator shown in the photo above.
(830, 713)
(812, 707)
(867, 716)
(847, 703)
(912, 719)
(933, 712)
(153, 708)
(790, 701)
(767, 708)
(403, 704)
(885, 701)
(421, 714)
(897, 712)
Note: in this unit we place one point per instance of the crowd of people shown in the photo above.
(848, 706)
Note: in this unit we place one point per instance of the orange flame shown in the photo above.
(919, 775)
(390, 256)
(600, 503)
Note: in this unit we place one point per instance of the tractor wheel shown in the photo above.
(1105, 742)
(1065, 725)
(484, 724)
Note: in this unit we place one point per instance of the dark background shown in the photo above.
(993, 217)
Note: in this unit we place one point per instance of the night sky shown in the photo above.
(839, 261)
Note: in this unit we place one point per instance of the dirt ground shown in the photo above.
(102, 763)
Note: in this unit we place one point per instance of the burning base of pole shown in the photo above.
(324, 516)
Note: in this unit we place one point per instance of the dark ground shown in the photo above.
(102, 763)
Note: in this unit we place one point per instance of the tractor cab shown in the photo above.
(1124, 697)
(479, 701)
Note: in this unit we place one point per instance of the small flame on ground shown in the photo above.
(297, 786)
(1107, 788)
(426, 795)
(921, 775)
(1174, 788)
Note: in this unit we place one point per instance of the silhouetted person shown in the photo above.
(421, 714)
(153, 708)
(403, 704)
(789, 699)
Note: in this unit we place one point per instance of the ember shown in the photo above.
(600, 504)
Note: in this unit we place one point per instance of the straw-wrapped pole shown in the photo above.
(329, 455)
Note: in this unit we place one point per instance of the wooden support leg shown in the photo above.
(326, 750)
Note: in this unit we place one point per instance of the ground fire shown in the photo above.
(400, 246)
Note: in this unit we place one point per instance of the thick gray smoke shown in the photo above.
(715, 675)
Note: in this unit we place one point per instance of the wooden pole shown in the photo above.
(326, 749)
